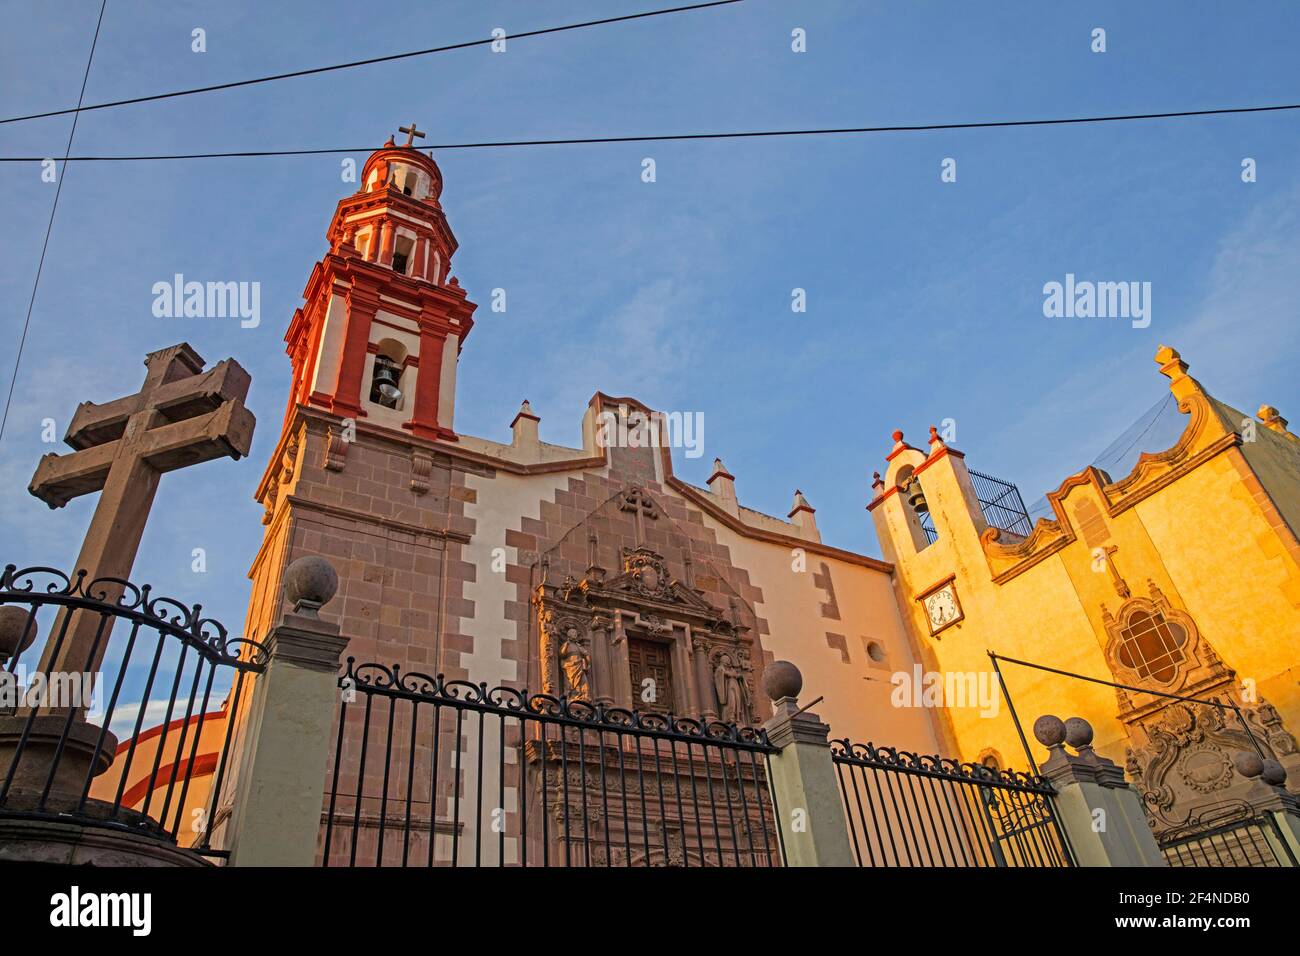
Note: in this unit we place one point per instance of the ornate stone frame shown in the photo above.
(1193, 657)
(644, 600)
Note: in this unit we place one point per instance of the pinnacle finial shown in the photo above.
(800, 504)
(1174, 368)
(1170, 361)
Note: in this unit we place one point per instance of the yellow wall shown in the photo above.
(1232, 574)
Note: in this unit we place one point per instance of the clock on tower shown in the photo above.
(942, 608)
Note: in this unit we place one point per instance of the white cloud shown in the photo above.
(1248, 322)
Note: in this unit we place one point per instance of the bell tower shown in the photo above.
(383, 321)
(365, 470)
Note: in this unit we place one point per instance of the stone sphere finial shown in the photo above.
(1078, 733)
(13, 624)
(1274, 774)
(782, 679)
(1049, 730)
(309, 583)
(1248, 764)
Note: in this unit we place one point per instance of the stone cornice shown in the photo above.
(700, 499)
(338, 511)
(306, 642)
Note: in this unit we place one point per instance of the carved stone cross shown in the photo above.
(181, 416)
(638, 503)
(1108, 555)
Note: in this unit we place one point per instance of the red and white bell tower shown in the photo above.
(378, 336)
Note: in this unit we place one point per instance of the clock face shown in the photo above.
(941, 607)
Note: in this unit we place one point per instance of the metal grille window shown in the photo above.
(1151, 646)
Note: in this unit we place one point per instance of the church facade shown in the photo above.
(1180, 579)
(594, 572)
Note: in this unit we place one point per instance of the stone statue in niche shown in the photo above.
(729, 673)
(575, 661)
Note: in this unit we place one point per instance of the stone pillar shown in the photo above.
(1101, 814)
(350, 384)
(707, 699)
(602, 679)
(547, 662)
(803, 782)
(277, 807)
(620, 666)
(428, 383)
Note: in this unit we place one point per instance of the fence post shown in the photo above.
(802, 776)
(1101, 814)
(276, 814)
(1268, 794)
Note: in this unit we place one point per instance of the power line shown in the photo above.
(671, 137)
(368, 62)
(49, 228)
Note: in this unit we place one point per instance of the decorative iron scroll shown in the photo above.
(90, 759)
(509, 701)
(891, 758)
(133, 603)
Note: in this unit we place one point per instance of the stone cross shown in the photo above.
(411, 132)
(181, 416)
(638, 503)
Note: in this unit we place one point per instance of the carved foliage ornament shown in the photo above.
(1187, 763)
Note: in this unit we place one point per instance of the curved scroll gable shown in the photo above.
(1048, 536)
(1209, 432)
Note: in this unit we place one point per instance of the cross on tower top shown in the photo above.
(411, 133)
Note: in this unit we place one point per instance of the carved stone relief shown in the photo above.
(1181, 755)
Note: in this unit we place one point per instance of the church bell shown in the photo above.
(387, 374)
(915, 496)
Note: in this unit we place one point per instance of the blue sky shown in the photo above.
(924, 298)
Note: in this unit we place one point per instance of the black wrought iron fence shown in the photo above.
(435, 772)
(121, 727)
(906, 809)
